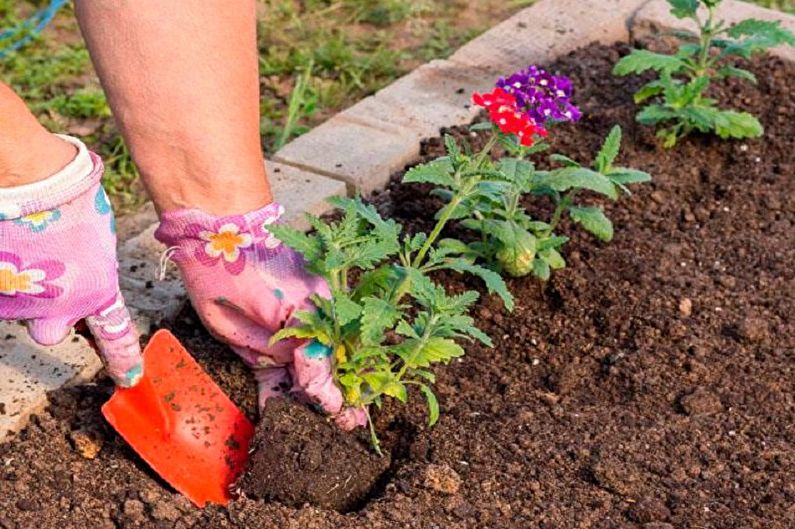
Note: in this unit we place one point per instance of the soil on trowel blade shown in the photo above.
(301, 457)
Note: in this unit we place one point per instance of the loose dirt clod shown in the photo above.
(701, 402)
(300, 457)
(442, 478)
(88, 443)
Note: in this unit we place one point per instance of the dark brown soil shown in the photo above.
(300, 457)
(649, 385)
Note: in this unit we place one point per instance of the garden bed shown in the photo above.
(650, 384)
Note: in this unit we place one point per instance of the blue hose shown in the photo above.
(29, 28)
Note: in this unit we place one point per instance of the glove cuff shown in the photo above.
(79, 176)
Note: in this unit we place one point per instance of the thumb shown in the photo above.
(117, 341)
(312, 368)
(49, 331)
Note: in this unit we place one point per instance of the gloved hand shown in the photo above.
(246, 285)
(58, 263)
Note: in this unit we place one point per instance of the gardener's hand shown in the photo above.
(246, 285)
(58, 263)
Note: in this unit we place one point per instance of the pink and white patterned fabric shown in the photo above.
(58, 263)
(246, 285)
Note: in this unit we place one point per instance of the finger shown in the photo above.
(271, 382)
(248, 338)
(117, 342)
(49, 331)
(312, 367)
(351, 418)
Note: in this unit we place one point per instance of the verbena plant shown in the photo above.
(386, 322)
(681, 104)
(521, 109)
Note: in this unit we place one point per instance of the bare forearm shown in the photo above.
(182, 80)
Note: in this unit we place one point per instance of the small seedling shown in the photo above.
(386, 322)
(682, 105)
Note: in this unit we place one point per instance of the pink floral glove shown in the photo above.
(245, 286)
(58, 263)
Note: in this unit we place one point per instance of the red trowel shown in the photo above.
(181, 423)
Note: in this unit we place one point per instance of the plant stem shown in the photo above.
(564, 203)
(706, 43)
(373, 436)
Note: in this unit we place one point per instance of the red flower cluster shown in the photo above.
(504, 112)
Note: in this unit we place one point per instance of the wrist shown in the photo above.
(44, 155)
(82, 173)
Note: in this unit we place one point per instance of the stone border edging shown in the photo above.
(357, 150)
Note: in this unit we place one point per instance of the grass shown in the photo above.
(316, 58)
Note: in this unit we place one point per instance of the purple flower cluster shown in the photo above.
(543, 96)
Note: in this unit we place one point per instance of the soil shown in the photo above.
(300, 457)
(651, 384)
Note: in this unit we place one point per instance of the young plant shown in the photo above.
(386, 322)
(521, 109)
(681, 104)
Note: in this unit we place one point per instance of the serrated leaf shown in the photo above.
(494, 283)
(733, 71)
(345, 309)
(299, 331)
(427, 375)
(594, 221)
(404, 329)
(378, 315)
(437, 172)
(579, 178)
(433, 404)
(299, 241)
(739, 125)
(648, 90)
(516, 170)
(767, 32)
(434, 350)
(684, 8)
(609, 151)
(640, 61)
(654, 114)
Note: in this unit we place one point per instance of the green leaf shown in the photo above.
(438, 172)
(564, 160)
(541, 270)
(308, 246)
(649, 90)
(427, 375)
(731, 124)
(345, 309)
(578, 178)
(299, 331)
(594, 221)
(767, 33)
(609, 151)
(733, 71)
(433, 404)
(640, 61)
(377, 316)
(396, 390)
(624, 176)
(553, 258)
(516, 170)
(494, 283)
(483, 125)
(432, 351)
(684, 8)
(654, 114)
